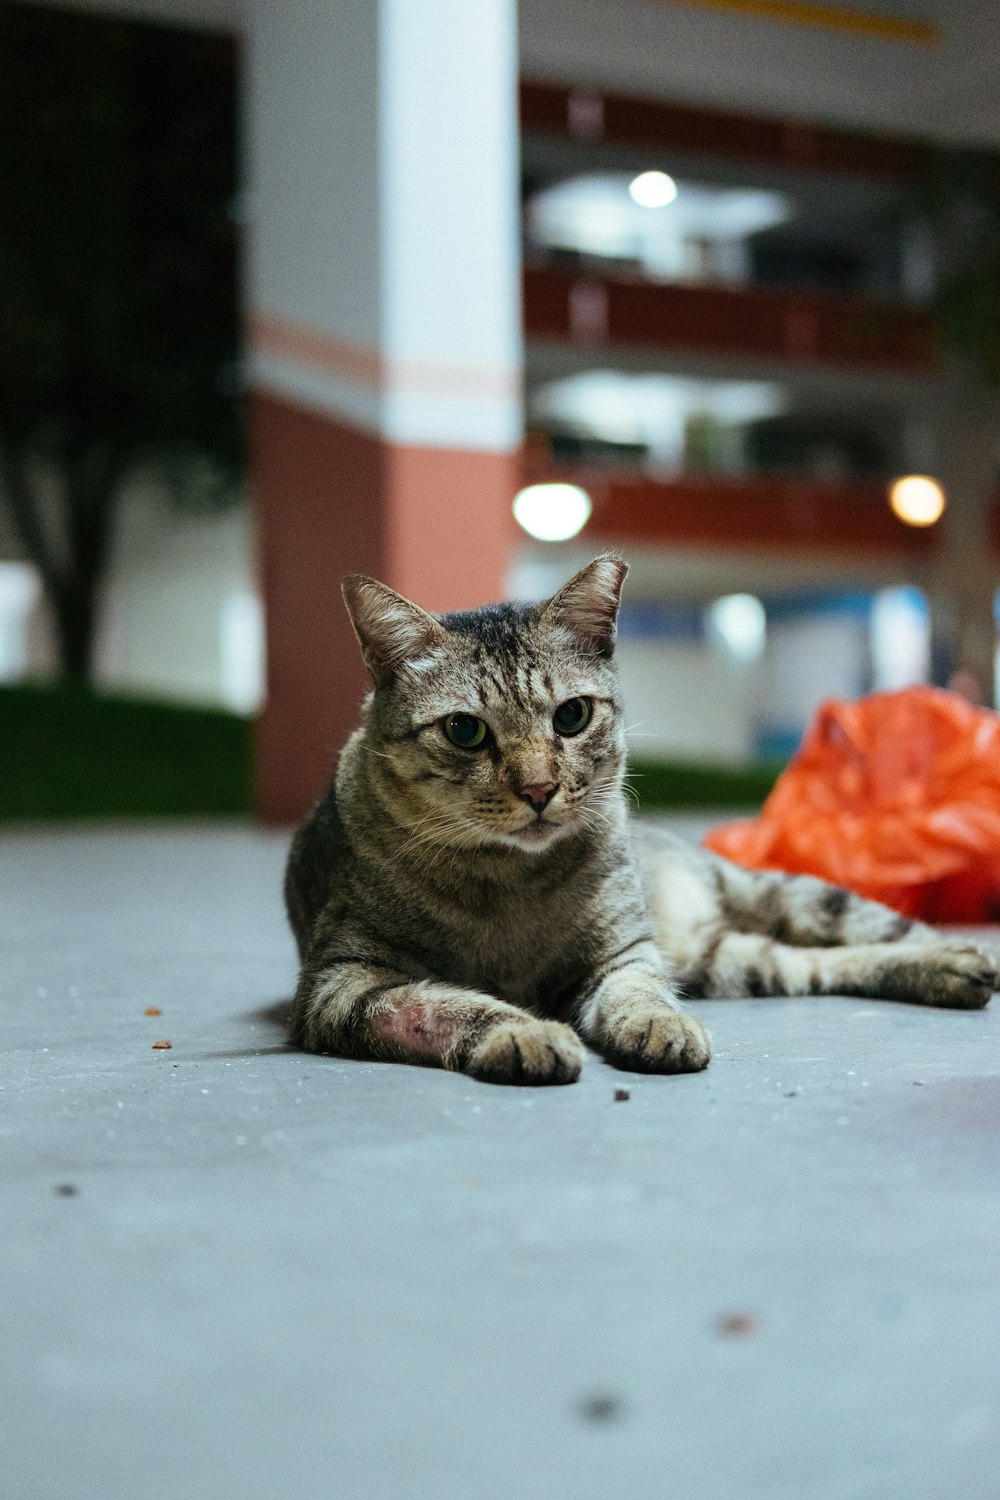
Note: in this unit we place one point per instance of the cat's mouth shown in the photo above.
(538, 831)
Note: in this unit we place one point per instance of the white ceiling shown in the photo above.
(672, 50)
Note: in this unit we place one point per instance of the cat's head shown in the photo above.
(495, 726)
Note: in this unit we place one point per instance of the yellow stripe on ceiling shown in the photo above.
(827, 17)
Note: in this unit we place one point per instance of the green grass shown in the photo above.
(681, 786)
(69, 753)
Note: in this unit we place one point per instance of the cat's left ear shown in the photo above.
(390, 630)
(588, 604)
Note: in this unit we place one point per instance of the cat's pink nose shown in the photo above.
(539, 794)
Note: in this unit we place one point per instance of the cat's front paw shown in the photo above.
(953, 975)
(656, 1039)
(527, 1052)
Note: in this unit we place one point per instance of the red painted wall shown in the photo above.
(434, 523)
(317, 487)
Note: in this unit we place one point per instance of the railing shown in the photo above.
(756, 512)
(593, 115)
(806, 326)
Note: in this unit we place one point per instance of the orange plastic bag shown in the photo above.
(896, 797)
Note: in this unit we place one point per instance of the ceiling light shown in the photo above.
(917, 500)
(740, 622)
(552, 512)
(652, 189)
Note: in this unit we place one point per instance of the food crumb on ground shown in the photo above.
(621, 1095)
(601, 1408)
(738, 1325)
(161, 1046)
(152, 1010)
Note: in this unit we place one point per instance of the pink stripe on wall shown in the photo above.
(320, 351)
(342, 359)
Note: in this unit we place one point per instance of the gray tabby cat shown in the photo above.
(469, 892)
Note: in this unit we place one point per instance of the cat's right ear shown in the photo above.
(390, 630)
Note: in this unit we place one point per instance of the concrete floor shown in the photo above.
(229, 1270)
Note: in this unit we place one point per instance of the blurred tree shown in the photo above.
(119, 323)
(961, 204)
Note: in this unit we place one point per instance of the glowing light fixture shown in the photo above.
(652, 190)
(740, 622)
(552, 512)
(917, 500)
(900, 626)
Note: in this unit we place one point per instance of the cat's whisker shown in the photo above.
(595, 807)
(587, 816)
(421, 834)
(442, 823)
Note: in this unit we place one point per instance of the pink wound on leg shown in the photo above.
(415, 1026)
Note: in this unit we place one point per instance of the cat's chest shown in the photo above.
(521, 946)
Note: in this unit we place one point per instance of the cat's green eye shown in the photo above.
(465, 731)
(572, 716)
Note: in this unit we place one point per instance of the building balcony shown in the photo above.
(599, 311)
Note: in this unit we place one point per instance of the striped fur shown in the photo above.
(445, 916)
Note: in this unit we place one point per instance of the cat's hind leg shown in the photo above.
(701, 905)
(936, 972)
(356, 1009)
(795, 934)
(801, 909)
